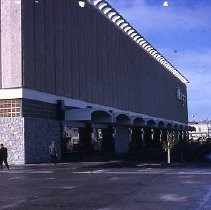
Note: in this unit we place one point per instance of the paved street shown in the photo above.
(106, 186)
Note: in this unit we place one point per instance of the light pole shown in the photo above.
(193, 117)
(165, 3)
(81, 3)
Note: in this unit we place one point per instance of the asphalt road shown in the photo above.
(106, 186)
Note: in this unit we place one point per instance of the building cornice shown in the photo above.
(110, 13)
(24, 93)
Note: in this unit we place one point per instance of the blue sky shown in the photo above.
(181, 33)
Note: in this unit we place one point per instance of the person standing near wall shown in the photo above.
(53, 153)
(3, 157)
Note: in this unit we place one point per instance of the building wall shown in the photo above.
(202, 127)
(27, 128)
(28, 108)
(78, 53)
(203, 130)
(12, 136)
(28, 139)
(39, 133)
(0, 50)
(11, 45)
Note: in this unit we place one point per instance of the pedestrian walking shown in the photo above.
(3, 157)
(53, 153)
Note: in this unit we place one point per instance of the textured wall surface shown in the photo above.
(0, 51)
(11, 46)
(39, 133)
(80, 54)
(28, 139)
(12, 136)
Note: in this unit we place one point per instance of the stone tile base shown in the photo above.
(12, 136)
(28, 139)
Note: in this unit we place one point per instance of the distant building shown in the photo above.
(202, 130)
(83, 78)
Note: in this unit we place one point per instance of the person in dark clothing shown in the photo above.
(53, 153)
(3, 157)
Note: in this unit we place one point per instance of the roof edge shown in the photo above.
(110, 13)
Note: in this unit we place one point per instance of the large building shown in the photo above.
(84, 78)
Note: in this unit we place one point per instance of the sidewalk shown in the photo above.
(109, 164)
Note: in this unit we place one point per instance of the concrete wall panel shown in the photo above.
(59, 47)
(0, 52)
(11, 56)
(28, 51)
(39, 46)
(50, 72)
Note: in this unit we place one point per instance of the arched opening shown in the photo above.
(176, 126)
(161, 124)
(123, 119)
(100, 116)
(139, 122)
(151, 123)
(181, 127)
(85, 130)
(137, 134)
